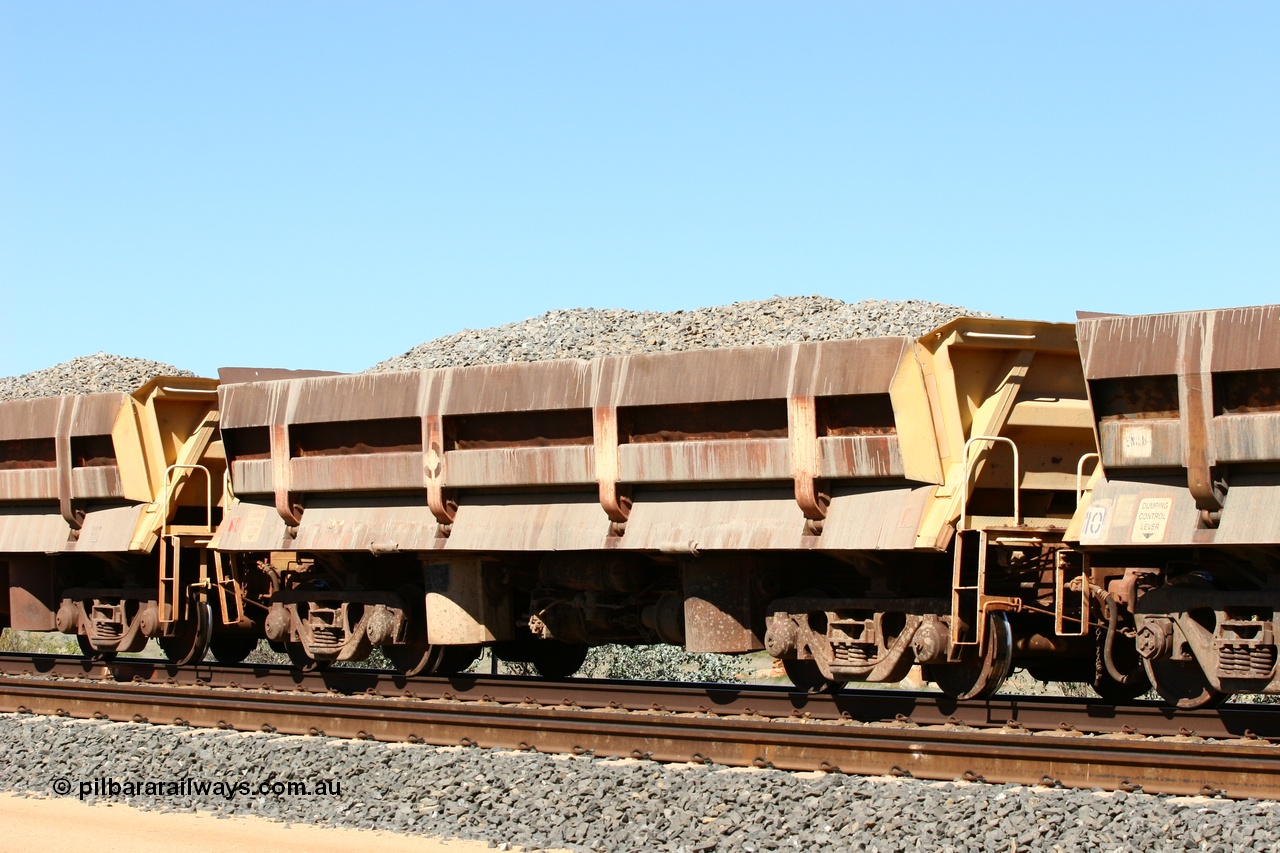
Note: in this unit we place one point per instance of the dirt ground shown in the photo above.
(66, 825)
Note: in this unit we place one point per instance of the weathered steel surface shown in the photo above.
(705, 461)
(867, 518)
(461, 608)
(718, 604)
(1141, 443)
(1247, 437)
(96, 483)
(371, 525)
(1150, 511)
(1252, 511)
(251, 476)
(381, 471)
(29, 484)
(761, 446)
(523, 466)
(32, 530)
(35, 529)
(250, 526)
(528, 522)
(24, 424)
(684, 521)
(108, 529)
(32, 603)
(1194, 395)
(1161, 511)
(878, 456)
(520, 454)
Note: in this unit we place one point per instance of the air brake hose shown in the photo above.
(1113, 616)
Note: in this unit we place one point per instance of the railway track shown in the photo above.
(1026, 740)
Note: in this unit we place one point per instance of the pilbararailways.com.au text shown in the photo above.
(195, 787)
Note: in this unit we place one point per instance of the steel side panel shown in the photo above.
(1169, 513)
(29, 484)
(762, 519)
(251, 477)
(32, 602)
(97, 482)
(356, 472)
(36, 418)
(95, 414)
(1251, 512)
(518, 466)
(32, 529)
(867, 519)
(1247, 437)
(705, 461)
(108, 530)
(249, 404)
(250, 526)
(875, 519)
(1147, 345)
(521, 387)
(389, 526)
(529, 523)
(860, 456)
(355, 397)
(1246, 339)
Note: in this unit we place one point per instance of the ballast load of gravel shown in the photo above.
(592, 332)
(584, 803)
(88, 374)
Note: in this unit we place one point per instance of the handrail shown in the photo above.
(1017, 469)
(208, 497)
(1080, 475)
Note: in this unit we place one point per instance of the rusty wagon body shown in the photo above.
(989, 495)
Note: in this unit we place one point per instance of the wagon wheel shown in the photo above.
(979, 674)
(455, 659)
(87, 649)
(554, 659)
(1183, 684)
(302, 661)
(415, 656)
(191, 641)
(232, 648)
(807, 676)
(813, 674)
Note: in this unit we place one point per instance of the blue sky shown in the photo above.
(327, 184)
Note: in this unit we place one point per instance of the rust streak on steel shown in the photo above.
(1238, 769)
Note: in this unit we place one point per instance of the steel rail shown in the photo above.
(1237, 768)
(1034, 713)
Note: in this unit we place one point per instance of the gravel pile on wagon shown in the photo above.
(584, 803)
(88, 374)
(591, 332)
